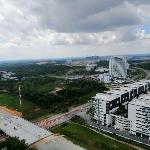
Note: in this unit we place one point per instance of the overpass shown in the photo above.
(15, 126)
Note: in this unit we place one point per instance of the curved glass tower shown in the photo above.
(118, 67)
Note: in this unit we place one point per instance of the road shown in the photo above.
(61, 118)
(147, 72)
(124, 134)
(81, 111)
(58, 119)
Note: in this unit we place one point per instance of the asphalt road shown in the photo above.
(61, 118)
(81, 111)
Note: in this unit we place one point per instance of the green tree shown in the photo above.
(14, 144)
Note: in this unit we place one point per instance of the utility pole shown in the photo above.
(20, 97)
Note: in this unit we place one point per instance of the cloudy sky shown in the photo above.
(72, 28)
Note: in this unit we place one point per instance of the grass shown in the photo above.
(89, 139)
(127, 140)
(29, 110)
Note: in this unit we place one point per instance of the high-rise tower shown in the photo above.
(118, 67)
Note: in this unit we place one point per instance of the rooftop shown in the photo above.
(106, 96)
(118, 91)
(143, 100)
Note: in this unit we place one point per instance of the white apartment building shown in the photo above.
(100, 106)
(118, 67)
(105, 104)
(105, 78)
(139, 116)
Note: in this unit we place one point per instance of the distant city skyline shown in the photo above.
(40, 29)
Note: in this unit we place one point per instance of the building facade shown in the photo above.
(139, 116)
(118, 67)
(104, 105)
(121, 122)
(105, 78)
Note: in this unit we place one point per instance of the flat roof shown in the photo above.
(118, 91)
(143, 100)
(106, 96)
(15, 126)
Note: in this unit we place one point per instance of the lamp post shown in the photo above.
(20, 97)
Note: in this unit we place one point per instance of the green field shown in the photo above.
(29, 110)
(89, 139)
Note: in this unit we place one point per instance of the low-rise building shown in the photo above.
(105, 78)
(90, 67)
(102, 69)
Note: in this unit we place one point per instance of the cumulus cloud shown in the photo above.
(82, 15)
(73, 27)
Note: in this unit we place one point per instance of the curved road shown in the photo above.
(147, 72)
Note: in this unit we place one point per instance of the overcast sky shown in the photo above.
(72, 28)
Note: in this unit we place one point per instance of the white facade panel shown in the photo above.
(139, 116)
(118, 67)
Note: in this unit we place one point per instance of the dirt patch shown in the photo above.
(57, 89)
(11, 111)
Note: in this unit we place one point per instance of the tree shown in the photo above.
(14, 144)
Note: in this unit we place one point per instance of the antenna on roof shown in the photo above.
(20, 97)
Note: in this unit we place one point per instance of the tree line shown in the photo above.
(14, 144)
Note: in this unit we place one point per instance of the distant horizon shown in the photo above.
(64, 58)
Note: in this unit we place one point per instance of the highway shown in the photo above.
(61, 118)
